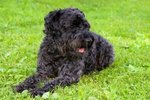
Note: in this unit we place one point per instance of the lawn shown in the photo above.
(125, 23)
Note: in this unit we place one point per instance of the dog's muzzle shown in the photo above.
(86, 43)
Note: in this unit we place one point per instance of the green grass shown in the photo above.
(125, 23)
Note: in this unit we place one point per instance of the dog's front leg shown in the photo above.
(69, 74)
(28, 83)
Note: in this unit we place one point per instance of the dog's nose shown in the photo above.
(89, 41)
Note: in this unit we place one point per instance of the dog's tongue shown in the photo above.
(81, 50)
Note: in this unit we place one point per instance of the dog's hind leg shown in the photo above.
(105, 55)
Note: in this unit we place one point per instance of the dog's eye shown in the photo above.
(76, 23)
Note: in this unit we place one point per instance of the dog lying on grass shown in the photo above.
(68, 51)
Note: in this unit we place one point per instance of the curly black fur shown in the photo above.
(68, 51)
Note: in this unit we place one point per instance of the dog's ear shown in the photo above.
(51, 21)
(52, 16)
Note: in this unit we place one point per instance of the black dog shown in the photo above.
(68, 51)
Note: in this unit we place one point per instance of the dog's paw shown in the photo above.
(18, 88)
(36, 92)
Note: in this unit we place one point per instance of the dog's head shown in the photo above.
(65, 20)
(79, 44)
